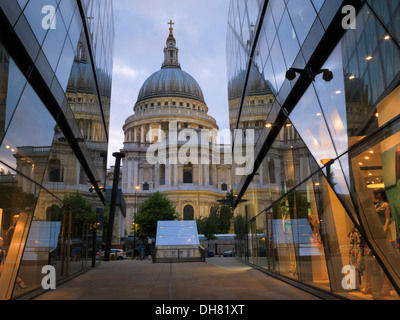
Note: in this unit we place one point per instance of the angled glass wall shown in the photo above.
(54, 123)
(321, 206)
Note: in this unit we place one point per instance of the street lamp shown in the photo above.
(118, 156)
(137, 188)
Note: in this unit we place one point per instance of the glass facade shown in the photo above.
(55, 88)
(321, 206)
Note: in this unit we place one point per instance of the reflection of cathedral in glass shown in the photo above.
(54, 139)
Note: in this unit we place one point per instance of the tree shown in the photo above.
(82, 210)
(156, 208)
(240, 227)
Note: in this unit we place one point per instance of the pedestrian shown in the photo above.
(140, 252)
(143, 253)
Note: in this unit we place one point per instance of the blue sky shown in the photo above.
(141, 31)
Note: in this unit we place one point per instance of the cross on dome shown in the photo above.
(171, 28)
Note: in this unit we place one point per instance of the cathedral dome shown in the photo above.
(170, 82)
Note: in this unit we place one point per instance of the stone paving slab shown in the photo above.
(217, 279)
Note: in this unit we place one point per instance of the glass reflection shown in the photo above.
(37, 123)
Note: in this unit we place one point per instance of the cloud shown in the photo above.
(124, 71)
(141, 31)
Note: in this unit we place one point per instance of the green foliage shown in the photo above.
(82, 210)
(157, 208)
(14, 200)
(240, 227)
(218, 222)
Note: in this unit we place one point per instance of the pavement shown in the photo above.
(217, 279)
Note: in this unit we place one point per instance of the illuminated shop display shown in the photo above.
(322, 203)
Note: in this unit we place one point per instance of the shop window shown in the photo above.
(375, 175)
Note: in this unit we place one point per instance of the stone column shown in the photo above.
(206, 175)
(135, 172)
(135, 135)
(167, 174)
(200, 166)
(128, 173)
(142, 135)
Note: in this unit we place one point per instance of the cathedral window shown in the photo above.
(224, 187)
(162, 175)
(54, 170)
(188, 173)
(188, 213)
(146, 186)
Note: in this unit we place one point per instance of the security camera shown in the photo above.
(290, 74)
(327, 75)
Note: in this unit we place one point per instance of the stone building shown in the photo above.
(170, 123)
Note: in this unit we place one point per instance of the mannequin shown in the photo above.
(382, 208)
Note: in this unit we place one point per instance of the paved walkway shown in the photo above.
(218, 279)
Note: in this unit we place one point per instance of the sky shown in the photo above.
(141, 31)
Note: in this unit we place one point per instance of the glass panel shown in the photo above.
(34, 15)
(310, 247)
(54, 42)
(309, 121)
(12, 83)
(288, 38)
(37, 123)
(303, 16)
(17, 204)
(349, 253)
(284, 242)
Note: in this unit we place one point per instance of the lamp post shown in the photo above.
(137, 188)
(118, 156)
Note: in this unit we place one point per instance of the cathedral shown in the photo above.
(170, 144)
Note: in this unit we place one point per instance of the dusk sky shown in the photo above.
(141, 31)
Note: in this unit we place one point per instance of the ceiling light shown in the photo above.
(268, 125)
(338, 92)
(352, 77)
(360, 163)
(366, 158)
(371, 152)
(369, 58)
(377, 115)
(387, 37)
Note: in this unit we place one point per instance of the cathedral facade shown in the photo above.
(171, 145)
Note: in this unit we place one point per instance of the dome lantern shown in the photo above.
(171, 51)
